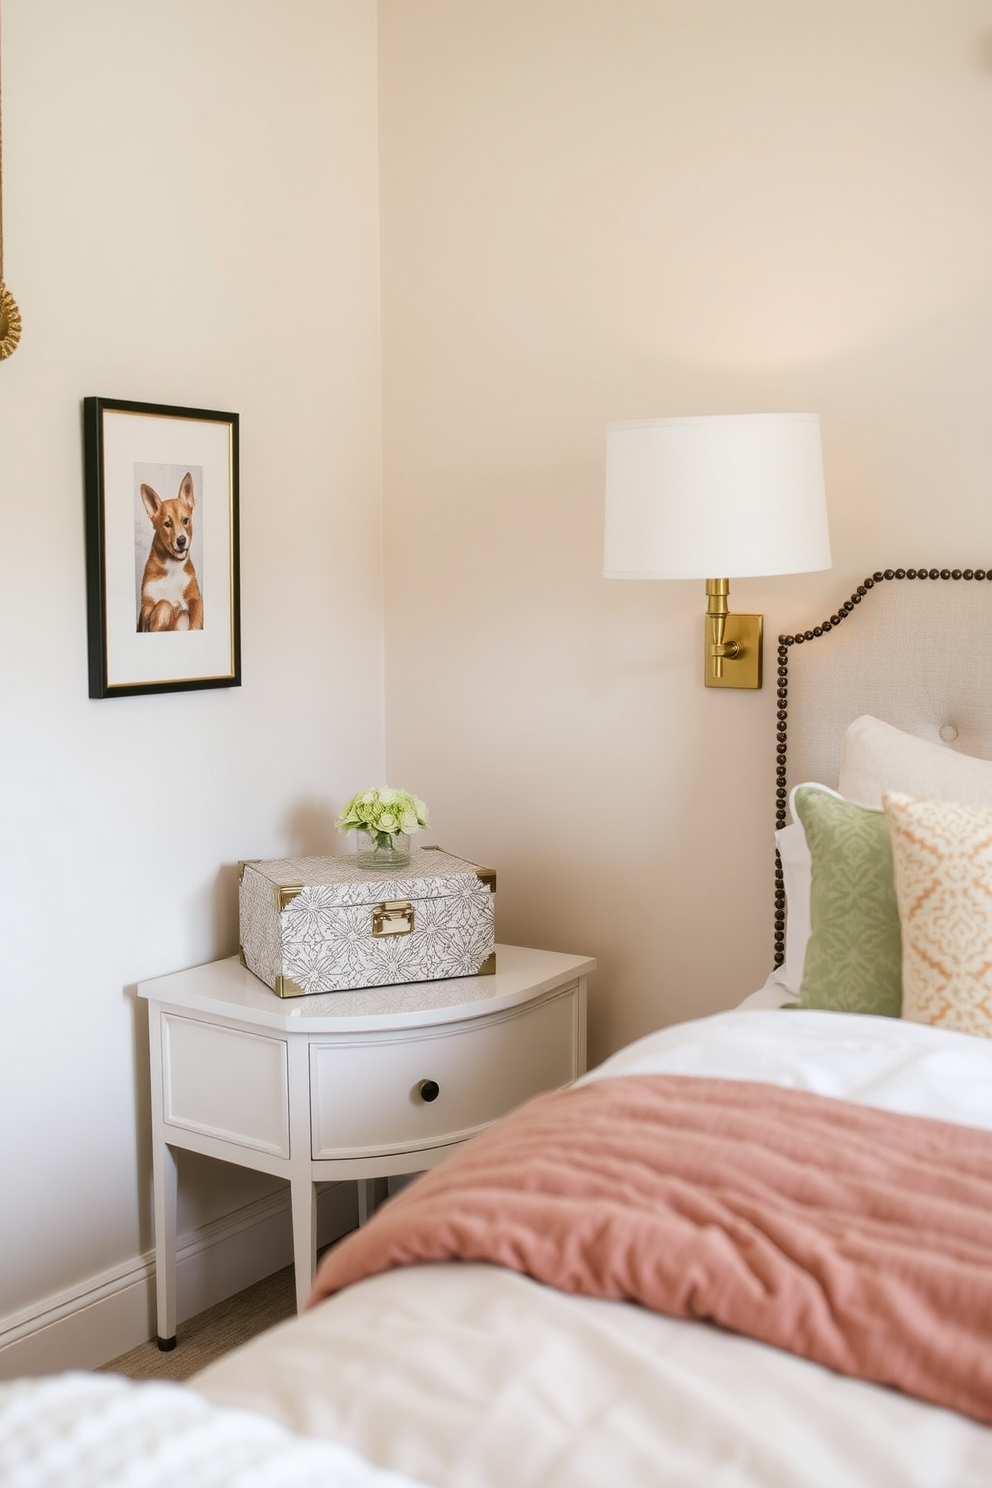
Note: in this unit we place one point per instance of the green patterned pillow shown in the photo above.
(854, 955)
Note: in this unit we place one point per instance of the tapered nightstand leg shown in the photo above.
(371, 1192)
(165, 1185)
(304, 1203)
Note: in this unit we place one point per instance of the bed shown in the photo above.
(747, 1250)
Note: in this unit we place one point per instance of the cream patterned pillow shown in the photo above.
(942, 860)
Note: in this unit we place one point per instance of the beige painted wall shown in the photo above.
(190, 218)
(601, 209)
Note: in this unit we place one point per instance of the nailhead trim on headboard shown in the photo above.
(782, 716)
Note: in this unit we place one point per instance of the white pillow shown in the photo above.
(794, 854)
(796, 878)
(879, 758)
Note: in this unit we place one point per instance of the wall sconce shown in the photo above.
(739, 495)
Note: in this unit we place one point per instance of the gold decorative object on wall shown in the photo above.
(10, 322)
(10, 316)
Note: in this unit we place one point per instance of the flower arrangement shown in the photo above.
(383, 813)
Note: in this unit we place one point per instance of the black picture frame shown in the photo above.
(162, 547)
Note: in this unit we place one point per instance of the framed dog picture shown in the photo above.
(161, 548)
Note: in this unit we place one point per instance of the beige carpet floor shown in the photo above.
(204, 1338)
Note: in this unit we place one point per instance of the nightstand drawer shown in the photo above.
(226, 1083)
(367, 1096)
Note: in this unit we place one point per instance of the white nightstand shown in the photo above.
(346, 1085)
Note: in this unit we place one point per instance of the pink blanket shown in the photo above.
(853, 1237)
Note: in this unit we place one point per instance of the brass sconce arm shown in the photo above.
(732, 655)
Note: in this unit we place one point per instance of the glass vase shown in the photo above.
(383, 849)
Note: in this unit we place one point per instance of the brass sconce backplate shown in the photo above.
(741, 634)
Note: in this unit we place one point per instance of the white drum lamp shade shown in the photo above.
(733, 496)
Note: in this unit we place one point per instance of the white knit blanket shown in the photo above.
(101, 1431)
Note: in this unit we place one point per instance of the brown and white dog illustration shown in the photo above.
(170, 593)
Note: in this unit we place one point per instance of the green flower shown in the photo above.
(383, 812)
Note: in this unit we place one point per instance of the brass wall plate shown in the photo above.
(743, 670)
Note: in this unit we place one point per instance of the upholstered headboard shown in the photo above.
(918, 655)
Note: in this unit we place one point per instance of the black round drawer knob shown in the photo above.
(428, 1090)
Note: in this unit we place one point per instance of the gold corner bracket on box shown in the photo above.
(286, 987)
(734, 660)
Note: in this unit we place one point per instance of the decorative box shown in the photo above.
(327, 925)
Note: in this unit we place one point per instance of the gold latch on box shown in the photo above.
(394, 917)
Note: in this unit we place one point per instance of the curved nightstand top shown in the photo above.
(228, 989)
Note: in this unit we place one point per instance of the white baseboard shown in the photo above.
(108, 1314)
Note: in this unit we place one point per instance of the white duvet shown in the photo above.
(467, 1376)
